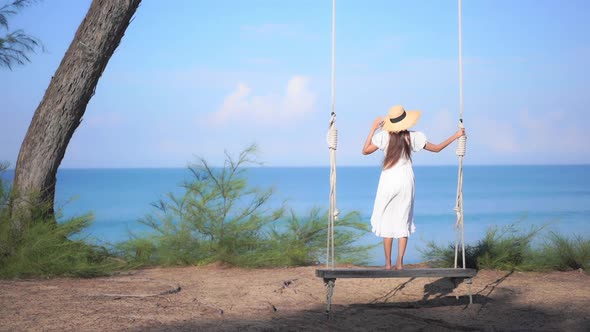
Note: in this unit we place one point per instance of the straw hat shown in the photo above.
(398, 119)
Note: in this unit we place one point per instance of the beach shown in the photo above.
(222, 298)
(166, 168)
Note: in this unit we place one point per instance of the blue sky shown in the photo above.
(201, 77)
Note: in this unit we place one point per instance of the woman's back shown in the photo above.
(415, 141)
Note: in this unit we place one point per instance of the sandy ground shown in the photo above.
(217, 298)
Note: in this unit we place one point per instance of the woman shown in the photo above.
(393, 211)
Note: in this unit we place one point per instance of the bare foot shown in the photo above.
(388, 267)
(399, 267)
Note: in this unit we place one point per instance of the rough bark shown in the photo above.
(65, 100)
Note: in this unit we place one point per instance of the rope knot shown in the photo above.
(462, 147)
(332, 138)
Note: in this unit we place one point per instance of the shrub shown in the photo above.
(220, 218)
(303, 241)
(43, 248)
(562, 253)
(504, 248)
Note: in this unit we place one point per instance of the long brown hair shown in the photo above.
(399, 145)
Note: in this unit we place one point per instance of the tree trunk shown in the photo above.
(61, 110)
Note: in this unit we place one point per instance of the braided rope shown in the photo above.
(459, 225)
(332, 138)
(461, 150)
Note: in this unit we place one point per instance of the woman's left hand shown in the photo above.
(460, 132)
(377, 123)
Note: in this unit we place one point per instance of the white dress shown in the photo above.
(393, 212)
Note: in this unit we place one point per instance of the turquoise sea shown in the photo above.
(493, 195)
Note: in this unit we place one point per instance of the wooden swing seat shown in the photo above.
(330, 276)
(406, 273)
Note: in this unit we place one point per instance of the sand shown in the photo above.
(218, 298)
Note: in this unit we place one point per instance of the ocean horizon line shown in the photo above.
(316, 166)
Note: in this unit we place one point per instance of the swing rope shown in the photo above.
(332, 139)
(461, 149)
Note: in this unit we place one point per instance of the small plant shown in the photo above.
(303, 240)
(505, 249)
(562, 253)
(220, 218)
(46, 248)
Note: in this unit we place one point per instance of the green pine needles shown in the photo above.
(44, 248)
(511, 248)
(15, 46)
(563, 253)
(220, 218)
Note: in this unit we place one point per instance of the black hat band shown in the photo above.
(399, 118)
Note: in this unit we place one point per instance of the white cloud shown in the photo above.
(438, 125)
(548, 133)
(552, 131)
(498, 137)
(541, 122)
(247, 107)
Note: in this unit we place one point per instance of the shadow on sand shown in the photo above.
(436, 311)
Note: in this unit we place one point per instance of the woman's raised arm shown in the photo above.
(369, 147)
(439, 147)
